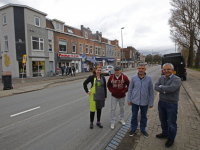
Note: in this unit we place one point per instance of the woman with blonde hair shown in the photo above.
(97, 93)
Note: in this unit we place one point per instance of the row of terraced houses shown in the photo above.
(50, 43)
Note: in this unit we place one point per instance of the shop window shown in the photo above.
(38, 43)
(38, 68)
(62, 46)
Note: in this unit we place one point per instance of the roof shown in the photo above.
(17, 5)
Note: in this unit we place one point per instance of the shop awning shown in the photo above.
(93, 61)
(111, 59)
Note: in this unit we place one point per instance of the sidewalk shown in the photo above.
(33, 84)
(188, 134)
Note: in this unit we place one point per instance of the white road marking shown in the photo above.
(25, 111)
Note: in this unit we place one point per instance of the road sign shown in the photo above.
(83, 56)
(24, 59)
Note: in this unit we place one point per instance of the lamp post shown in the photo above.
(122, 48)
(197, 61)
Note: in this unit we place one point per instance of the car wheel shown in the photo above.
(109, 73)
(184, 78)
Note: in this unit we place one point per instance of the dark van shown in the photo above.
(178, 62)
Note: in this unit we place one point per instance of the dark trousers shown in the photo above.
(98, 115)
(168, 117)
(143, 120)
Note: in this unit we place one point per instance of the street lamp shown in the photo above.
(122, 48)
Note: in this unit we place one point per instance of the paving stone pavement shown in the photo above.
(188, 133)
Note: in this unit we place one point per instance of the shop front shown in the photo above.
(90, 63)
(68, 60)
(111, 61)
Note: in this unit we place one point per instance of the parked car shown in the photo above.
(107, 70)
(178, 62)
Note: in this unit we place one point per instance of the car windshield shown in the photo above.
(104, 67)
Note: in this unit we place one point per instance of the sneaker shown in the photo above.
(161, 136)
(131, 133)
(122, 122)
(169, 143)
(99, 125)
(112, 126)
(91, 125)
(145, 134)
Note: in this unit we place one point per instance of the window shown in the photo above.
(103, 52)
(50, 46)
(96, 50)
(133, 55)
(112, 52)
(38, 68)
(81, 48)
(115, 53)
(74, 47)
(38, 43)
(62, 46)
(118, 54)
(91, 49)
(99, 50)
(6, 43)
(69, 30)
(59, 26)
(4, 19)
(130, 53)
(107, 52)
(86, 49)
(99, 38)
(86, 35)
(37, 21)
(108, 41)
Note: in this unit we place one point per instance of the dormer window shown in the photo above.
(86, 35)
(59, 26)
(108, 41)
(69, 30)
(37, 21)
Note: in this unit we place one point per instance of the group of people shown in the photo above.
(68, 70)
(140, 97)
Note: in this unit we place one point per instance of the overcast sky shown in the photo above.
(145, 22)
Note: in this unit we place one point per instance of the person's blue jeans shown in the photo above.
(168, 117)
(143, 120)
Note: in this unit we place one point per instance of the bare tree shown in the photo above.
(184, 27)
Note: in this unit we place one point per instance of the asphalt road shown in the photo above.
(56, 118)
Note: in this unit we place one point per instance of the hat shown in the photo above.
(117, 68)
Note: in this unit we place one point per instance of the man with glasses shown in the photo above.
(168, 86)
(140, 95)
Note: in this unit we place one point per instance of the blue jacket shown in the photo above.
(141, 92)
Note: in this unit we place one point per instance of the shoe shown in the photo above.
(122, 122)
(131, 133)
(99, 125)
(91, 125)
(169, 143)
(161, 136)
(145, 134)
(112, 126)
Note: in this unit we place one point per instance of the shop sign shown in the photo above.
(68, 55)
